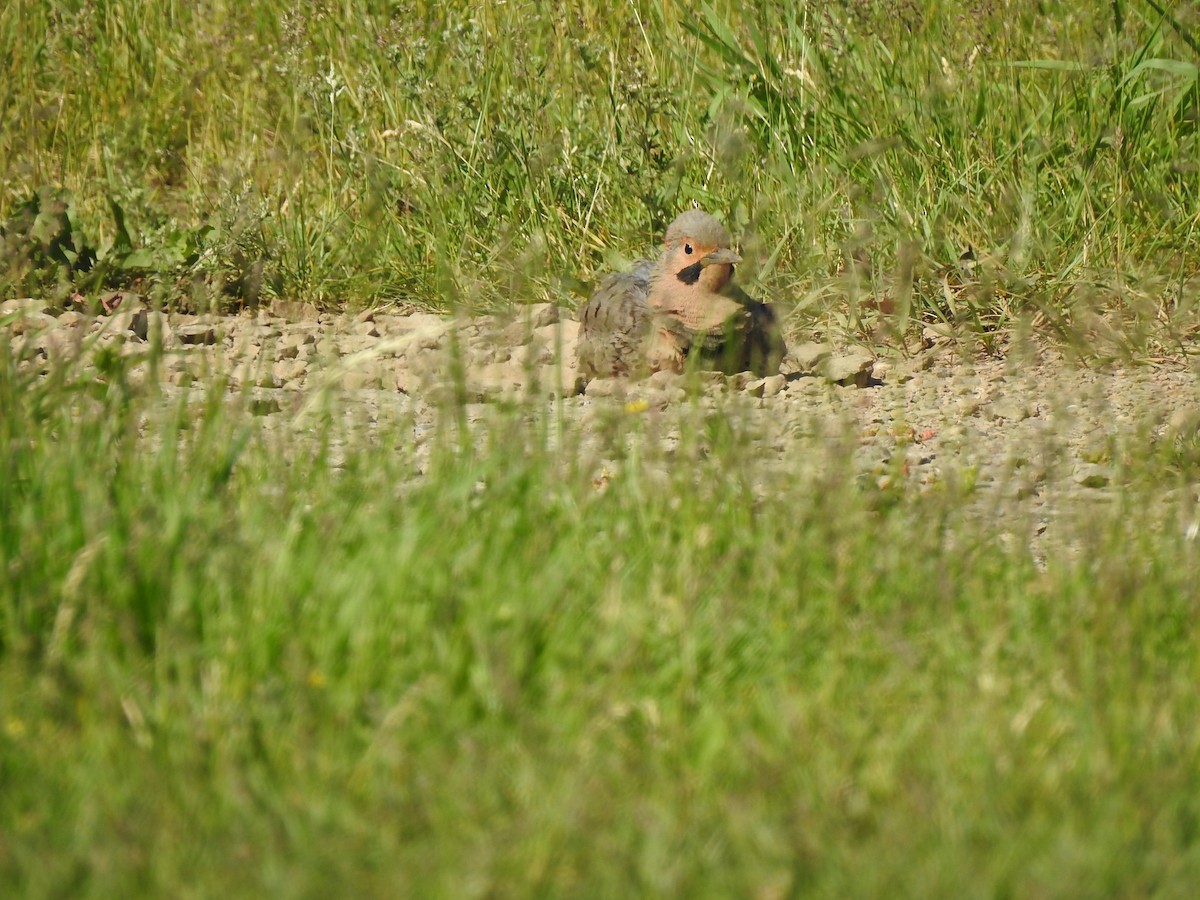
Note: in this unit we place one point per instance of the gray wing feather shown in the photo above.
(749, 341)
(613, 324)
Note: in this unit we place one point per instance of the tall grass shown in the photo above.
(241, 659)
(493, 154)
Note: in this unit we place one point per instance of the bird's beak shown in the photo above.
(720, 257)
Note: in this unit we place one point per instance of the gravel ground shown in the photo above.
(1035, 436)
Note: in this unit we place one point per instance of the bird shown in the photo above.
(679, 310)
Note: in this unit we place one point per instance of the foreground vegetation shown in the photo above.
(452, 153)
(241, 660)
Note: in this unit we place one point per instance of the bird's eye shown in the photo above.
(687, 248)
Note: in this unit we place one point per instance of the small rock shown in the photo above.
(667, 396)
(420, 321)
(130, 317)
(922, 362)
(245, 347)
(538, 352)
(294, 311)
(402, 380)
(389, 323)
(1096, 446)
(137, 374)
(515, 334)
(248, 373)
(195, 335)
(766, 387)
(738, 380)
(565, 332)
(430, 337)
(289, 369)
(805, 386)
(353, 343)
(181, 361)
(158, 328)
(366, 378)
(937, 334)
(963, 385)
(264, 406)
(54, 343)
(498, 378)
(24, 305)
(298, 336)
(555, 382)
(543, 314)
(605, 387)
(1091, 475)
(1011, 410)
(662, 380)
(263, 332)
(850, 368)
(809, 356)
(478, 357)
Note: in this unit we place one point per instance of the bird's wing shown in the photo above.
(614, 323)
(765, 347)
(749, 339)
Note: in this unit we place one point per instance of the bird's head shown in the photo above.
(696, 257)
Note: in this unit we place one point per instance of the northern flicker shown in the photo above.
(683, 309)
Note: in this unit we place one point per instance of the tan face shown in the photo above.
(690, 265)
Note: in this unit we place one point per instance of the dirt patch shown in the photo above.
(1034, 436)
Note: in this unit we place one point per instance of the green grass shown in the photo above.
(306, 660)
(238, 660)
(445, 154)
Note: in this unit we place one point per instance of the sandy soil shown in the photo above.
(1035, 436)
